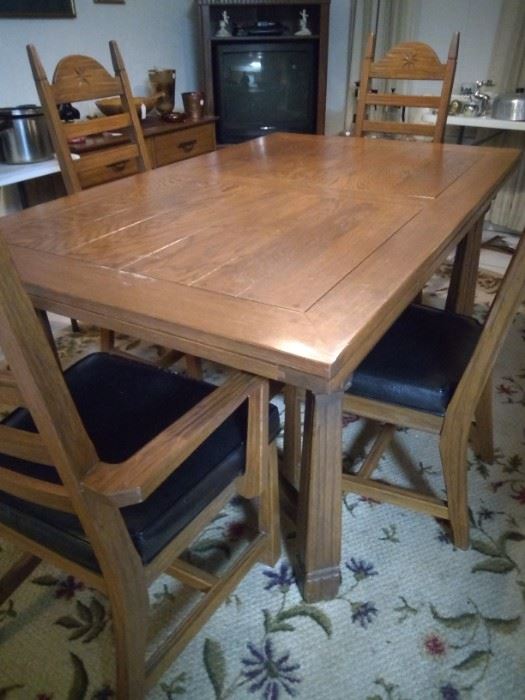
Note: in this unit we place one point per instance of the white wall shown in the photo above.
(150, 34)
(476, 20)
(164, 34)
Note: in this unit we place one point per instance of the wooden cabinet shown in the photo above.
(166, 143)
(184, 143)
(267, 75)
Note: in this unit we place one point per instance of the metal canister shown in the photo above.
(24, 136)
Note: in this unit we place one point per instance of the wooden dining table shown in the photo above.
(287, 256)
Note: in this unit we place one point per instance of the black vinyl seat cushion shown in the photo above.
(419, 361)
(123, 405)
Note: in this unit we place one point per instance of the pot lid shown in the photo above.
(21, 111)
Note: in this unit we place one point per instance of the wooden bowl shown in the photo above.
(112, 105)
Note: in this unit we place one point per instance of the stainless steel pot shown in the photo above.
(510, 106)
(24, 137)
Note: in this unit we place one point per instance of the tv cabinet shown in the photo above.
(283, 53)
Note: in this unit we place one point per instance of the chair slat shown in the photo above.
(395, 495)
(398, 100)
(9, 391)
(192, 576)
(89, 577)
(23, 445)
(36, 490)
(97, 126)
(399, 128)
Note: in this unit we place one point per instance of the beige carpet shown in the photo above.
(415, 618)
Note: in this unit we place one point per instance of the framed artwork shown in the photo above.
(37, 8)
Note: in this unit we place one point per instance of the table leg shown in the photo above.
(319, 512)
(462, 289)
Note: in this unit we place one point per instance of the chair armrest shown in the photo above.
(135, 479)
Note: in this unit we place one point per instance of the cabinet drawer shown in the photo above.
(106, 173)
(185, 143)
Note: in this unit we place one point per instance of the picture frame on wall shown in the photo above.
(51, 9)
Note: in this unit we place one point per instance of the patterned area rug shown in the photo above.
(414, 619)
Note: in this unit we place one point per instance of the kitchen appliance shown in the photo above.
(510, 106)
(24, 137)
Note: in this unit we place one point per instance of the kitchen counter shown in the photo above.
(13, 174)
(485, 123)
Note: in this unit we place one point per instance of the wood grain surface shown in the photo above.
(287, 255)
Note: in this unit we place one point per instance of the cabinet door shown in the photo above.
(185, 143)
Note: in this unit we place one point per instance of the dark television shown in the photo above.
(263, 87)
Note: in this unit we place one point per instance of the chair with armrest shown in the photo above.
(112, 469)
(432, 371)
(80, 78)
(409, 61)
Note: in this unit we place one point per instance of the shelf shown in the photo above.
(303, 109)
(263, 37)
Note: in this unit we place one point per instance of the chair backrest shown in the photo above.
(35, 380)
(405, 62)
(502, 311)
(76, 79)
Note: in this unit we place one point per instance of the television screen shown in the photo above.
(264, 87)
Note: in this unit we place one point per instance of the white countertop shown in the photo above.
(485, 123)
(11, 174)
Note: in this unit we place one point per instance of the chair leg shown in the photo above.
(269, 509)
(453, 450)
(193, 366)
(291, 462)
(107, 340)
(129, 607)
(16, 575)
(483, 434)
(127, 591)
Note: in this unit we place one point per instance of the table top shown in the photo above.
(287, 256)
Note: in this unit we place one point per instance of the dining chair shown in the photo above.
(111, 470)
(409, 61)
(432, 371)
(80, 78)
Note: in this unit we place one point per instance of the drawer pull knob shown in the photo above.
(118, 166)
(187, 146)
